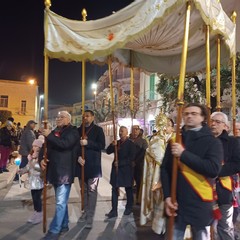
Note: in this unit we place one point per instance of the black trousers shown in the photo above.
(129, 193)
(37, 200)
(138, 175)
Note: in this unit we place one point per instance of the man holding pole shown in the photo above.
(224, 182)
(122, 171)
(93, 142)
(199, 162)
(62, 153)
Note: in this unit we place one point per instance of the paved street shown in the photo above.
(16, 207)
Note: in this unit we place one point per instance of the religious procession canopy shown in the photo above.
(146, 34)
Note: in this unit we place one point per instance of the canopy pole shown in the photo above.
(46, 69)
(113, 111)
(46, 75)
(84, 15)
(180, 103)
(132, 88)
(208, 98)
(218, 80)
(234, 16)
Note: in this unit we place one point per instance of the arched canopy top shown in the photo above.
(150, 31)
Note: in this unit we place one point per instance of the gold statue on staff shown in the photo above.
(152, 207)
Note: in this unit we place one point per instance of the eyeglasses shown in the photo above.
(60, 117)
(185, 114)
(217, 121)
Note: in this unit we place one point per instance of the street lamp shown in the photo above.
(41, 113)
(41, 97)
(31, 81)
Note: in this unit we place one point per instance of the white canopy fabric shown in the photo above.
(147, 33)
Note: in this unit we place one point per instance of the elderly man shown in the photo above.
(62, 153)
(199, 162)
(230, 166)
(122, 172)
(238, 130)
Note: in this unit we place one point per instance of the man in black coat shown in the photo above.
(200, 156)
(93, 142)
(62, 154)
(231, 166)
(141, 146)
(122, 171)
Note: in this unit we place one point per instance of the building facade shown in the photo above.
(21, 99)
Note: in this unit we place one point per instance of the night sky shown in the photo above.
(21, 45)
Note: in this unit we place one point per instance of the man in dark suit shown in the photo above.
(93, 142)
(199, 159)
(62, 153)
(230, 166)
(122, 171)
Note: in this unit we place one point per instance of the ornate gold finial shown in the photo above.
(84, 15)
(161, 123)
(233, 17)
(47, 3)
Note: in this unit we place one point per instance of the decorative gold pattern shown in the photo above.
(161, 123)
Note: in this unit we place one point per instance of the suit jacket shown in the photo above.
(62, 153)
(203, 153)
(126, 156)
(96, 143)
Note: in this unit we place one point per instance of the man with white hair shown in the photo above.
(230, 166)
(62, 154)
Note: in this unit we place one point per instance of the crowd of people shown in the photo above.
(207, 173)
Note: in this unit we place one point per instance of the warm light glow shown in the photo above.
(31, 81)
(94, 86)
(95, 92)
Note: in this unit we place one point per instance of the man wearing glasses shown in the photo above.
(230, 166)
(62, 154)
(199, 159)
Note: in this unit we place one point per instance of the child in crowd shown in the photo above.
(34, 181)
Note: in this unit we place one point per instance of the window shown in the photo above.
(3, 101)
(23, 106)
